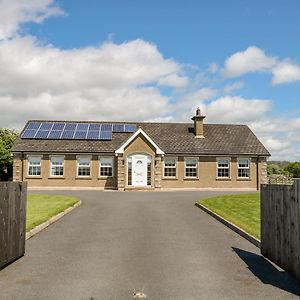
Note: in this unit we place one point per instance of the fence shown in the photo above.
(280, 225)
(12, 221)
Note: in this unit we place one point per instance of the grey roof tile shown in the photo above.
(172, 138)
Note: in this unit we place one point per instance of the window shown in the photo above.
(106, 166)
(84, 166)
(129, 170)
(223, 168)
(191, 165)
(170, 167)
(57, 166)
(244, 168)
(34, 165)
(149, 171)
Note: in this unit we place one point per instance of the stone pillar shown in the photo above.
(121, 173)
(17, 167)
(263, 171)
(157, 172)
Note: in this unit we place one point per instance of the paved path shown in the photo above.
(159, 243)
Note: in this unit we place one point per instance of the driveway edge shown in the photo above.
(230, 225)
(52, 220)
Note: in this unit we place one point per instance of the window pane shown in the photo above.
(191, 162)
(170, 162)
(84, 171)
(191, 172)
(170, 172)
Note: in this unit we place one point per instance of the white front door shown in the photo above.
(139, 170)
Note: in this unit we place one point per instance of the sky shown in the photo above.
(238, 60)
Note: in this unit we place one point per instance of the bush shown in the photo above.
(293, 169)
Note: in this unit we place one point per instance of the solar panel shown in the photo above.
(118, 128)
(106, 127)
(93, 135)
(28, 133)
(94, 127)
(46, 126)
(70, 130)
(33, 125)
(82, 127)
(55, 134)
(67, 134)
(42, 134)
(130, 128)
(58, 126)
(105, 135)
(70, 126)
(80, 135)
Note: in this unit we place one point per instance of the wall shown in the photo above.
(207, 175)
(70, 171)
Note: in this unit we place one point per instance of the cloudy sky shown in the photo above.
(239, 61)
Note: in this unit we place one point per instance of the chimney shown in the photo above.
(198, 124)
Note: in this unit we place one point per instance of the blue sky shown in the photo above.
(238, 60)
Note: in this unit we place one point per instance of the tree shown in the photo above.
(274, 169)
(293, 169)
(7, 138)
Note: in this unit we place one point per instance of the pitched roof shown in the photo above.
(172, 138)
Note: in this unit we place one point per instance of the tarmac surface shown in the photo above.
(157, 244)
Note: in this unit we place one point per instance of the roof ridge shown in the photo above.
(133, 122)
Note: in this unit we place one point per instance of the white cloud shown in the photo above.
(174, 80)
(253, 59)
(14, 13)
(213, 68)
(119, 80)
(235, 109)
(229, 88)
(286, 71)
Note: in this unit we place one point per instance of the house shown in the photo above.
(139, 155)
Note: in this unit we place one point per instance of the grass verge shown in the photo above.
(41, 208)
(242, 210)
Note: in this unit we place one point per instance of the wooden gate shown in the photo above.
(13, 197)
(280, 225)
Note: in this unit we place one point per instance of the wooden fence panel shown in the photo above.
(13, 197)
(280, 225)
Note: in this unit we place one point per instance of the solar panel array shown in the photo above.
(74, 131)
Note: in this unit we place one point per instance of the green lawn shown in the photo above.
(40, 208)
(242, 210)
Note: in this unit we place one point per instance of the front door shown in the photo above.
(139, 170)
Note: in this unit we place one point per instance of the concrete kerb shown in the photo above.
(230, 225)
(52, 220)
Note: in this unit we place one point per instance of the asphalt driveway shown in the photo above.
(159, 243)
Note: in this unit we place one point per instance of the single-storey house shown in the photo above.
(139, 155)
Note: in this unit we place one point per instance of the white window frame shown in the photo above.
(196, 167)
(61, 165)
(78, 157)
(173, 167)
(244, 168)
(30, 165)
(229, 168)
(112, 158)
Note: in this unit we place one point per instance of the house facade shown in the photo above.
(128, 156)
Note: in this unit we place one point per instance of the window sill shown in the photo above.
(191, 178)
(56, 177)
(105, 177)
(83, 177)
(33, 177)
(244, 179)
(170, 178)
(223, 179)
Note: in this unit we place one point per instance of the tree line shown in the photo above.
(286, 168)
